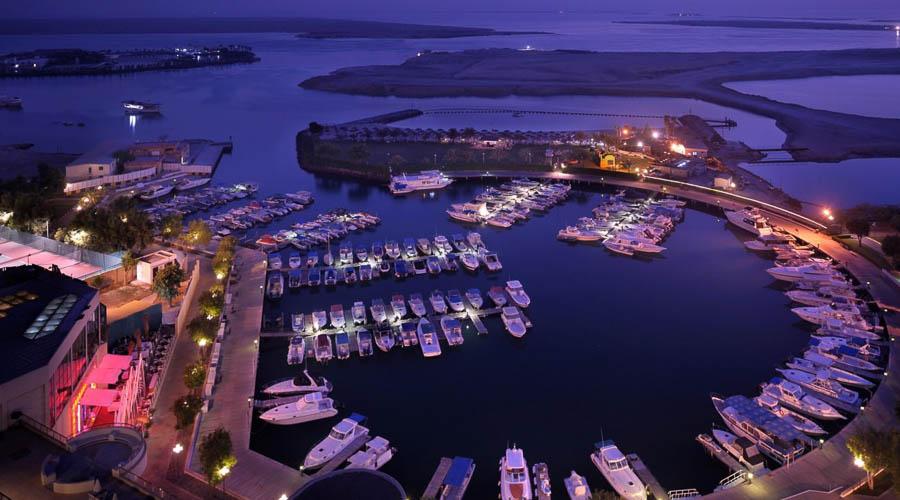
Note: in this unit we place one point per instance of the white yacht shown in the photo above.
(749, 219)
(296, 350)
(793, 397)
(833, 373)
(577, 487)
(320, 319)
(324, 349)
(847, 315)
(823, 296)
(742, 449)
(772, 436)
(816, 273)
(312, 406)
(417, 304)
(541, 475)
(156, 191)
(512, 320)
(515, 484)
(185, 183)
(796, 420)
(452, 329)
(842, 357)
(358, 312)
(428, 339)
(377, 452)
(426, 180)
(337, 316)
(635, 245)
(517, 293)
(821, 384)
(341, 435)
(615, 468)
(297, 385)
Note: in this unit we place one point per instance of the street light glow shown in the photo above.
(201, 342)
(224, 470)
(858, 461)
(177, 448)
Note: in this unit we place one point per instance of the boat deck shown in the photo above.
(266, 404)
(342, 457)
(647, 477)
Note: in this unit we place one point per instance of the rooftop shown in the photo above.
(25, 292)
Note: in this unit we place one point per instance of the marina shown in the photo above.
(509, 203)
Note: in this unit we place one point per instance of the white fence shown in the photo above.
(137, 175)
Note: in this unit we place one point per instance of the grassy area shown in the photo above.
(852, 242)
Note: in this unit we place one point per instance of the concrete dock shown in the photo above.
(644, 474)
(434, 485)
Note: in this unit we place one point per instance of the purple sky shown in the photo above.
(432, 10)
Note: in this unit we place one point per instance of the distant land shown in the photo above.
(821, 135)
(766, 24)
(303, 27)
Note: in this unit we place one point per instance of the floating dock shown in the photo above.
(644, 474)
(718, 452)
(450, 479)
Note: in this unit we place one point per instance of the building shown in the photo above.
(97, 163)
(150, 264)
(680, 168)
(608, 161)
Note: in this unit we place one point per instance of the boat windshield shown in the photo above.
(617, 464)
(336, 434)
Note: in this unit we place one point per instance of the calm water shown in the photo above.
(621, 348)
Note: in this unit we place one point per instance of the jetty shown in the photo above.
(718, 452)
(644, 474)
(450, 479)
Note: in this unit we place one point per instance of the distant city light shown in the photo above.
(655, 134)
(640, 144)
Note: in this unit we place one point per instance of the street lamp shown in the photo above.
(224, 470)
(202, 342)
(859, 462)
(177, 448)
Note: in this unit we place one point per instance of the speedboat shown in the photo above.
(474, 240)
(454, 298)
(417, 304)
(798, 421)
(618, 247)
(428, 339)
(437, 302)
(491, 261)
(275, 286)
(821, 384)
(342, 342)
(384, 337)
(294, 261)
(473, 295)
(541, 474)
(433, 264)
(378, 312)
(330, 277)
(514, 481)
(424, 246)
(362, 254)
(452, 329)
(364, 341)
(497, 295)
(816, 273)
(377, 251)
(833, 373)
(442, 244)
(337, 316)
(517, 293)
(297, 385)
(345, 432)
(398, 305)
(742, 449)
(618, 473)
(320, 319)
(358, 311)
(310, 407)
(512, 320)
(750, 220)
(296, 350)
(376, 453)
(577, 487)
(792, 396)
(392, 249)
(324, 350)
(459, 242)
(298, 322)
(469, 260)
(409, 248)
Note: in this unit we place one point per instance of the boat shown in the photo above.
(141, 107)
(296, 350)
(818, 315)
(442, 244)
(345, 253)
(842, 376)
(419, 266)
(617, 471)
(342, 342)
(823, 296)
(633, 245)
(474, 240)
(300, 384)
(294, 261)
(512, 320)
(799, 422)
(315, 277)
(275, 285)
(814, 273)
(409, 248)
(541, 475)
(310, 407)
(437, 302)
(517, 293)
(362, 254)
(384, 337)
(345, 432)
(376, 453)
(455, 299)
(323, 348)
(424, 245)
(184, 184)
(328, 258)
(433, 264)
(408, 334)
(298, 322)
(417, 305)
(473, 295)
(459, 242)
(364, 341)
(384, 267)
(749, 219)
(379, 314)
(452, 329)
(377, 251)
(742, 449)
(515, 483)
(349, 275)
(792, 396)
(156, 191)
(843, 357)
(822, 385)
(358, 312)
(365, 272)
(11, 102)
(428, 339)
(497, 295)
(491, 262)
(392, 249)
(337, 316)
(469, 260)
(426, 180)
(398, 305)
(330, 277)
(275, 262)
(773, 436)
(577, 487)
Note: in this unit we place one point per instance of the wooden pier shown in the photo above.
(434, 485)
(644, 474)
(719, 453)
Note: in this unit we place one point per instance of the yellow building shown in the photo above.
(608, 160)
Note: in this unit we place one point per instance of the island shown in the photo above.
(812, 135)
(772, 24)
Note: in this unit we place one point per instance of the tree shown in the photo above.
(171, 226)
(603, 495)
(167, 281)
(873, 451)
(198, 233)
(129, 261)
(859, 227)
(315, 128)
(185, 409)
(216, 457)
(203, 330)
(211, 303)
(194, 375)
(359, 153)
(891, 246)
(396, 161)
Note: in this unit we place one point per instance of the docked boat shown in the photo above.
(408, 335)
(398, 305)
(298, 322)
(296, 350)
(515, 483)
(419, 266)
(392, 249)
(428, 339)
(473, 295)
(512, 320)
(452, 329)
(358, 312)
(342, 342)
(792, 396)
(294, 261)
(275, 285)
(409, 248)
(474, 240)
(365, 272)
(750, 220)
(517, 293)
(141, 107)
(437, 302)
(618, 247)
(814, 273)
(312, 258)
(459, 242)
(379, 315)
(442, 244)
(842, 357)
(384, 337)
(349, 275)
(424, 245)
(156, 191)
(820, 383)
(330, 277)
(324, 351)
(819, 315)
(433, 264)
(315, 277)
(491, 262)
(310, 407)
(427, 180)
(469, 261)
(541, 474)
(401, 269)
(376, 453)
(328, 258)
(799, 422)
(741, 449)
(337, 316)
(455, 299)
(275, 262)
(842, 376)
(417, 304)
(345, 432)
(772, 435)
(823, 296)
(364, 340)
(319, 319)
(864, 348)
(577, 487)
(377, 251)
(618, 472)
(497, 295)
(634, 245)
(345, 253)
(300, 384)
(184, 184)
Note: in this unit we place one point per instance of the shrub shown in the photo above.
(186, 408)
(194, 375)
(216, 456)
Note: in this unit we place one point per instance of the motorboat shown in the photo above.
(345, 253)
(398, 305)
(515, 483)
(452, 329)
(750, 220)
(409, 248)
(455, 299)
(799, 422)
(294, 261)
(473, 295)
(577, 487)
(365, 272)
(296, 350)
(310, 407)
(842, 357)
(337, 316)
(614, 466)
(298, 322)
(618, 247)
(792, 396)
(865, 349)
(275, 285)
(842, 376)
(377, 251)
(312, 258)
(823, 296)
(821, 384)
(818, 316)
(437, 302)
(378, 312)
(741, 449)
(384, 267)
(139, 107)
(426, 180)
(156, 191)
(328, 258)
(319, 319)
(315, 277)
(401, 269)
(428, 339)
(442, 244)
(358, 312)
(417, 305)
(424, 245)
(408, 334)
(491, 261)
(433, 264)
(459, 242)
(469, 261)
(497, 295)
(362, 254)
(517, 293)
(816, 273)
(324, 351)
(345, 432)
(349, 275)
(330, 277)
(512, 320)
(772, 435)
(541, 475)
(419, 266)
(376, 453)
(392, 249)
(635, 245)
(300, 384)
(384, 337)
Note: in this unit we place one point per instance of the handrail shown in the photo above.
(140, 483)
(43, 430)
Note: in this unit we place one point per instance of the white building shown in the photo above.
(150, 264)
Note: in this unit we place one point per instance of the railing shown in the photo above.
(141, 484)
(44, 431)
(105, 262)
(73, 187)
(732, 480)
(683, 493)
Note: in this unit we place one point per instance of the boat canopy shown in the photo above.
(515, 459)
(459, 469)
(779, 429)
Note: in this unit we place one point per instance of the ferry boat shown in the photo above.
(310, 407)
(379, 315)
(799, 422)
(358, 312)
(427, 180)
(156, 191)
(742, 449)
(184, 184)
(452, 329)
(296, 350)
(541, 474)
(455, 299)
(141, 107)
(750, 220)
(377, 452)
(792, 396)
(409, 248)
(437, 302)
(398, 305)
(364, 340)
(345, 253)
(823, 296)
(384, 337)
(315, 277)
(512, 320)
(428, 339)
(773, 436)
(275, 285)
(298, 385)
(345, 432)
(514, 481)
(417, 305)
(577, 487)
(337, 316)
(342, 342)
(324, 351)
(618, 473)
(517, 293)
